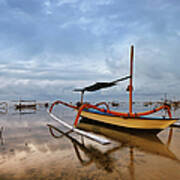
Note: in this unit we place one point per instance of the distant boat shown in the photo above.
(114, 104)
(25, 104)
(134, 121)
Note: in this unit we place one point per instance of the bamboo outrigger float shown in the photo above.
(133, 121)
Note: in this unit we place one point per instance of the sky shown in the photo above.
(50, 47)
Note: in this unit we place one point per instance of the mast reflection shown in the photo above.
(1, 135)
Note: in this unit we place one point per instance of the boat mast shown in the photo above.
(131, 79)
(82, 96)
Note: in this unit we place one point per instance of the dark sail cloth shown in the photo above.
(100, 85)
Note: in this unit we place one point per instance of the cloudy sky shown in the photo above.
(50, 47)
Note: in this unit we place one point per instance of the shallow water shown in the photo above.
(29, 151)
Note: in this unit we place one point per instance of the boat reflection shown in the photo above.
(146, 142)
(101, 159)
(88, 154)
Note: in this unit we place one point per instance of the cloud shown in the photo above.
(50, 47)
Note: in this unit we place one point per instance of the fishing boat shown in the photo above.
(132, 121)
(25, 104)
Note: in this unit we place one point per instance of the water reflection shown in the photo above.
(1, 135)
(3, 107)
(28, 151)
(88, 154)
(147, 142)
(101, 159)
(26, 110)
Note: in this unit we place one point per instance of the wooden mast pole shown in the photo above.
(82, 96)
(131, 79)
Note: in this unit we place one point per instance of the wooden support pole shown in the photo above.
(131, 79)
(82, 97)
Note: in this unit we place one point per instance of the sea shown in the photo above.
(32, 148)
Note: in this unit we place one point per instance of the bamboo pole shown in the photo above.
(82, 97)
(131, 79)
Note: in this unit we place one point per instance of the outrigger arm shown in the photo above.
(91, 136)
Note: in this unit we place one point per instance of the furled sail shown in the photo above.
(100, 85)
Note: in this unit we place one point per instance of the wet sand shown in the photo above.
(29, 151)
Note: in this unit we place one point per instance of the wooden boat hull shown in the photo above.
(29, 106)
(138, 123)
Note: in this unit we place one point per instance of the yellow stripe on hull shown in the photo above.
(137, 123)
